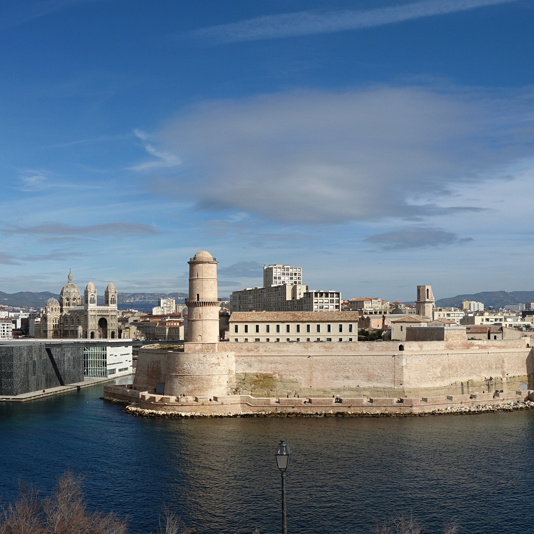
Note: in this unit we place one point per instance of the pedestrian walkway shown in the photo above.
(35, 395)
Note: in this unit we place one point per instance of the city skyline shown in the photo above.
(380, 145)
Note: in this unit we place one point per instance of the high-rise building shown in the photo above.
(277, 275)
(284, 291)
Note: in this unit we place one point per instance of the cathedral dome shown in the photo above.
(111, 287)
(70, 290)
(203, 255)
(51, 302)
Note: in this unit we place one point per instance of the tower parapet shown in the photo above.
(203, 305)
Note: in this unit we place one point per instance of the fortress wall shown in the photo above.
(363, 369)
(443, 369)
(151, 367)
(451, 342)
(369, 369)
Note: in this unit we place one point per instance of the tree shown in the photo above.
(65, 512)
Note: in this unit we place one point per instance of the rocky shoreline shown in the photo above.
(450, 410)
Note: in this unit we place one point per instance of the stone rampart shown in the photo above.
(354, 370)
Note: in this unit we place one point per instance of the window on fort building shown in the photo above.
(350, 339)
(267, 340)
(329, 328)
(257, 329)
(287, 339)
(298, 329)
(328, 339)
(307, 339)
(246, 329)
(257, 340)
(288, 328)
(340, 339)
(350, 328)
(236, 329)
(318, 339)
(198, 297)
(277, 328)
(268, 329)
(308, 328)
(340, 328)
(277, 339)
(318, 328)
(298, 339)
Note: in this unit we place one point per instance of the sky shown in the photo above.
(378, 144)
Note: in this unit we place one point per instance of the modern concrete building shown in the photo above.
(451, 314)
(283, 298)
(277, 275)
(166, 306)
(6, 329)
(107, 359)
(273, 327)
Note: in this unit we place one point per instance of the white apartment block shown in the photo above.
(273, 327)
(6, 328)
(276, 275)
(284, 298)
(452, 314)
(472, 305)
(166, 306)
(369, 305)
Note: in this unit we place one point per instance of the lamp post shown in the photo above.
(282, 461)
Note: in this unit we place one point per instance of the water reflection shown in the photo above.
(220, 475)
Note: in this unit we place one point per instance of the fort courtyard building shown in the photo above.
(69, 318)
(275, 327)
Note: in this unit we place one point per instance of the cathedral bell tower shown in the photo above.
(424, 305)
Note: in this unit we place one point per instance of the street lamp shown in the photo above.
(282, 461)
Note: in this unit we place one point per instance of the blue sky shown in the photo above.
(378, 144)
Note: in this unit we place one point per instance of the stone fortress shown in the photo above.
(68, 318)
(210, 377)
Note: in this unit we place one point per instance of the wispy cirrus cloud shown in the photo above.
(34, 181)
(24, 11)
(163, 159)
(124, 229)
(417, 237)
(315, 22)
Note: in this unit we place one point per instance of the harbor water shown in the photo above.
(220, 475)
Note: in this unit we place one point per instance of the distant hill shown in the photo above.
(139, 301)
(491, 299)
(26, 298)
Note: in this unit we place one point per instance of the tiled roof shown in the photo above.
(478, 330)
(410, 319)
(362, 299)
(288, 317)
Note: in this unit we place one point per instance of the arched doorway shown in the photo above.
(102, 328)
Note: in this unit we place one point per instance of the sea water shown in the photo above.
(220, 475)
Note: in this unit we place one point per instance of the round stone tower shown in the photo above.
(203, 305)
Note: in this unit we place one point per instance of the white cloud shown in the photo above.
(312, 23)
(163, 159)
(374, 154)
